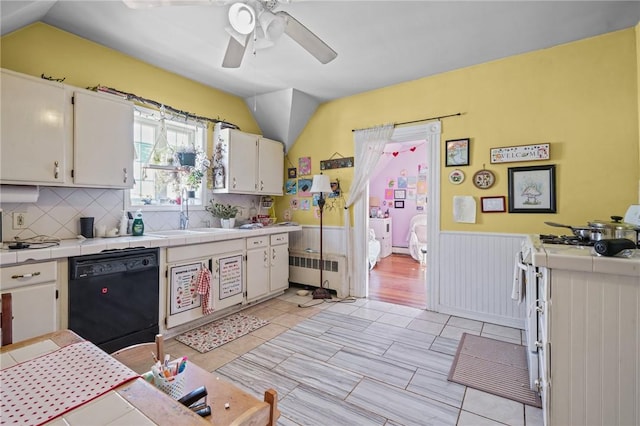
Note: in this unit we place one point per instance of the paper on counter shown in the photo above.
(464, 209)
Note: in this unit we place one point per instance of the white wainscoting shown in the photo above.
(475, 271)
(476, 277)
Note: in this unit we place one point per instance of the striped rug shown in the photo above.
(494, 366)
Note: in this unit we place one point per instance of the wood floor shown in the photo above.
(398, 279)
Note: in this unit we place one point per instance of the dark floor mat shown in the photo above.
(494, 366)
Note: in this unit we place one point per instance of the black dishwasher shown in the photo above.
(114, 297)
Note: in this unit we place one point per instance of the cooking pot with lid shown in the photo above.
(615, 229)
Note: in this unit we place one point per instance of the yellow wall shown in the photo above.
(42, 49)
(580, 97)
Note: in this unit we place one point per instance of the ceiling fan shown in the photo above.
(257, 21)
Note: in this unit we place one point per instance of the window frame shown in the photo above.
(150, 116)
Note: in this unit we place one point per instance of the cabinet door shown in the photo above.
(242, 162)
(33, 310)
(270, 167)
(103, 141)
(228, 280)
(279, 276)
(257, 273)
(33, 133)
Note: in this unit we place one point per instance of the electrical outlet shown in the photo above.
(19, 220)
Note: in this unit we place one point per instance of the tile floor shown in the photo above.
(360, 363)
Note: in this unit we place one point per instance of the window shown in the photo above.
(161, 181)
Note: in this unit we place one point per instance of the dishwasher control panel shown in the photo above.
(111, 263)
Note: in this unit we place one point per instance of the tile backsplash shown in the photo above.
(58, 210)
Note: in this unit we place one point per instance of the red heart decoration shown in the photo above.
(412, 149)
(395, 154)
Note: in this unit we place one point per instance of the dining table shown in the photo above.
(60, 377)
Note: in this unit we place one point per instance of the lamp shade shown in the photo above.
(321, 183)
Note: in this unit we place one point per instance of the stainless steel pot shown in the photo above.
(616, 229)
(582, 232)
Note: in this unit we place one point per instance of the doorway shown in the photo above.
(359, 279)
(397, 200)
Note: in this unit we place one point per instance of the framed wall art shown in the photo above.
(532, 189)
(493, 204)
(399, 194)
(457, 151)
(398, 204)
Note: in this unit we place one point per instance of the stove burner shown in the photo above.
(570, 240)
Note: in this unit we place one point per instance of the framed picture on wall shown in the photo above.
(457, 151)
(399, 194)
(532, 189)
(398, 204)
(493, 204)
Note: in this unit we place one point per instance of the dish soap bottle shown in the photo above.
(137, 228)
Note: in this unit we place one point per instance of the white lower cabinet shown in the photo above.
(267, 265)
(258, 265)
(225, 261)
(29, 291)
(279, 262)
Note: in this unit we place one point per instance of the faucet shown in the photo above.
(184, 217)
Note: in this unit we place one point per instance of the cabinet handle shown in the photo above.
(33, 274)
(234, 182)
(56, 169)
(125, 175)
(261, 185)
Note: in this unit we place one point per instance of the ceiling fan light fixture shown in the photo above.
(272, 25)
(242, 18)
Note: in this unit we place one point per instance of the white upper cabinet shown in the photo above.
(103, 140)
(33, 131)
(244, 163)
(47, 140)
(270, 167)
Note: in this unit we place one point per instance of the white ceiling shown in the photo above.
(379, 43)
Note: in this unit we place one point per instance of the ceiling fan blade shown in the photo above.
(305, 38)
(235, 52)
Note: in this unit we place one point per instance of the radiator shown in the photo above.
(304, 268)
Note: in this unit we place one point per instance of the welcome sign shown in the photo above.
(512, 154)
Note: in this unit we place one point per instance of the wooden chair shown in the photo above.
(139, 357)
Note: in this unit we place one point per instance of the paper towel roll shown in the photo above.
(19, 194)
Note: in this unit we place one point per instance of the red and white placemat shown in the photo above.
(36, 391)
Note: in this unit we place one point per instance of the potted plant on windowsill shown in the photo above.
(225, 212)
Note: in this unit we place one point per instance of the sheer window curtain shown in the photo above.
(369, 145)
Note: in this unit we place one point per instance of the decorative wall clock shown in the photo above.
(483, 179)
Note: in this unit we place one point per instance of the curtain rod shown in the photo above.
(187, 115)
(418, 121)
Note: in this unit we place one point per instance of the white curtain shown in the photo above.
(369, 145)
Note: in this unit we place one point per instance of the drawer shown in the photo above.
(257, 242)
(279, 239)
(197, 251)
(27, 274)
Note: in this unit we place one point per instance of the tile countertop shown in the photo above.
(168, 238)
(585, 259)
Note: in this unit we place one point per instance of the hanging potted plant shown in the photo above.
(225, 212)
(193, 181)
(186, 155)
